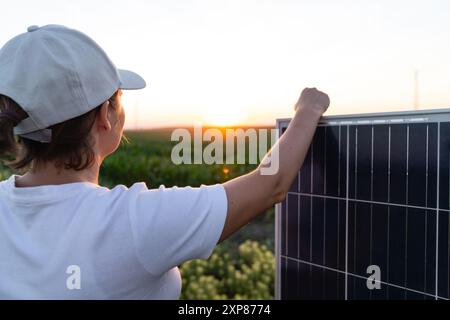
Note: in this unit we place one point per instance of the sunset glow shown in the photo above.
(225, 113)
(231, 62)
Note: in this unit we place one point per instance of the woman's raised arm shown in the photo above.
(252, 194)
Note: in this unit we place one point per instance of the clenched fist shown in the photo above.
(314, 100)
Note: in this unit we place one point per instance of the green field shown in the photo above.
(241, 267)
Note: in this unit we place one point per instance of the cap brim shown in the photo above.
(130, 80)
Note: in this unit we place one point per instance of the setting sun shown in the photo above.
(223, 118)
(225, 114)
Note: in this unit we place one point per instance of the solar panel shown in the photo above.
(368, 215)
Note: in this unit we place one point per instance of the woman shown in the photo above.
(62, 236)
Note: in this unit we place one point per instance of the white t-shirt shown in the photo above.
(83, 241)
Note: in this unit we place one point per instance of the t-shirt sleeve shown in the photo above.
(174, 225)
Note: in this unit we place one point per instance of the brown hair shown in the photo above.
(71, 146)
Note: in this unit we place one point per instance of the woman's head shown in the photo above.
(76, 144)
(63, 101)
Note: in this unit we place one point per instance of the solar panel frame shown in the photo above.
(375, 120)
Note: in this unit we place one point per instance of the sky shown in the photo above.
(234, 62)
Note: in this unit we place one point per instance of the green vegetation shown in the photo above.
(249, 274)
(147, 158)
(4, 173)
(238, 269)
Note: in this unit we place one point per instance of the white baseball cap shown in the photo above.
(55, 74)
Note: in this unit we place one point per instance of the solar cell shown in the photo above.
(373, 192)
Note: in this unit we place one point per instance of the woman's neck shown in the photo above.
(50, 175)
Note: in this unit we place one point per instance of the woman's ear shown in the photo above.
(102, 117)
